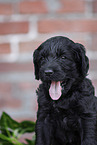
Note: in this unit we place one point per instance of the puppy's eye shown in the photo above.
(63, 57)
(42, 59)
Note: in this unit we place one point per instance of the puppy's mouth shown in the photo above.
(55, 90)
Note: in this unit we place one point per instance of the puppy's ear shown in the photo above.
(36, 63)
(81, 59)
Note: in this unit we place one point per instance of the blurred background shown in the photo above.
(24, 25)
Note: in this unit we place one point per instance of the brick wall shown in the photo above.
(24, 25)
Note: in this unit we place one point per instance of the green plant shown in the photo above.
(11, 131)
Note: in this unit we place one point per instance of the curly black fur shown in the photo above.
(72, 119)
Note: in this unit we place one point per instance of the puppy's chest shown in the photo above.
(68, 119)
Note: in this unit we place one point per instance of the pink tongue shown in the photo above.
(55, 90)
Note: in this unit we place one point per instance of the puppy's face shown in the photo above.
(56, 64)
(60, 62)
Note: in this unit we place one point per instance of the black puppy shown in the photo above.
(67, 107)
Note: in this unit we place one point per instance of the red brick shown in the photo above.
(29, 46)
(5, 88)
(32, 7)
(25, 86)
(22, 118)
(93, 65)
(15, 67)
(94, 42)
(95, 6)
(6, 9)
(94, 83)
(50, 26)
(72, 6)
(9, 102)
(13, 27)
(6, 97)
(28, 86)
(5, 48)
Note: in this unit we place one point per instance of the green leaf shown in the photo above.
(27, 127)
(10, 140)
(7, 124)
(31, 142)
(11, 130)
(5, 139)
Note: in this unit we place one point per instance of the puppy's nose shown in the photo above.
(48, 72)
